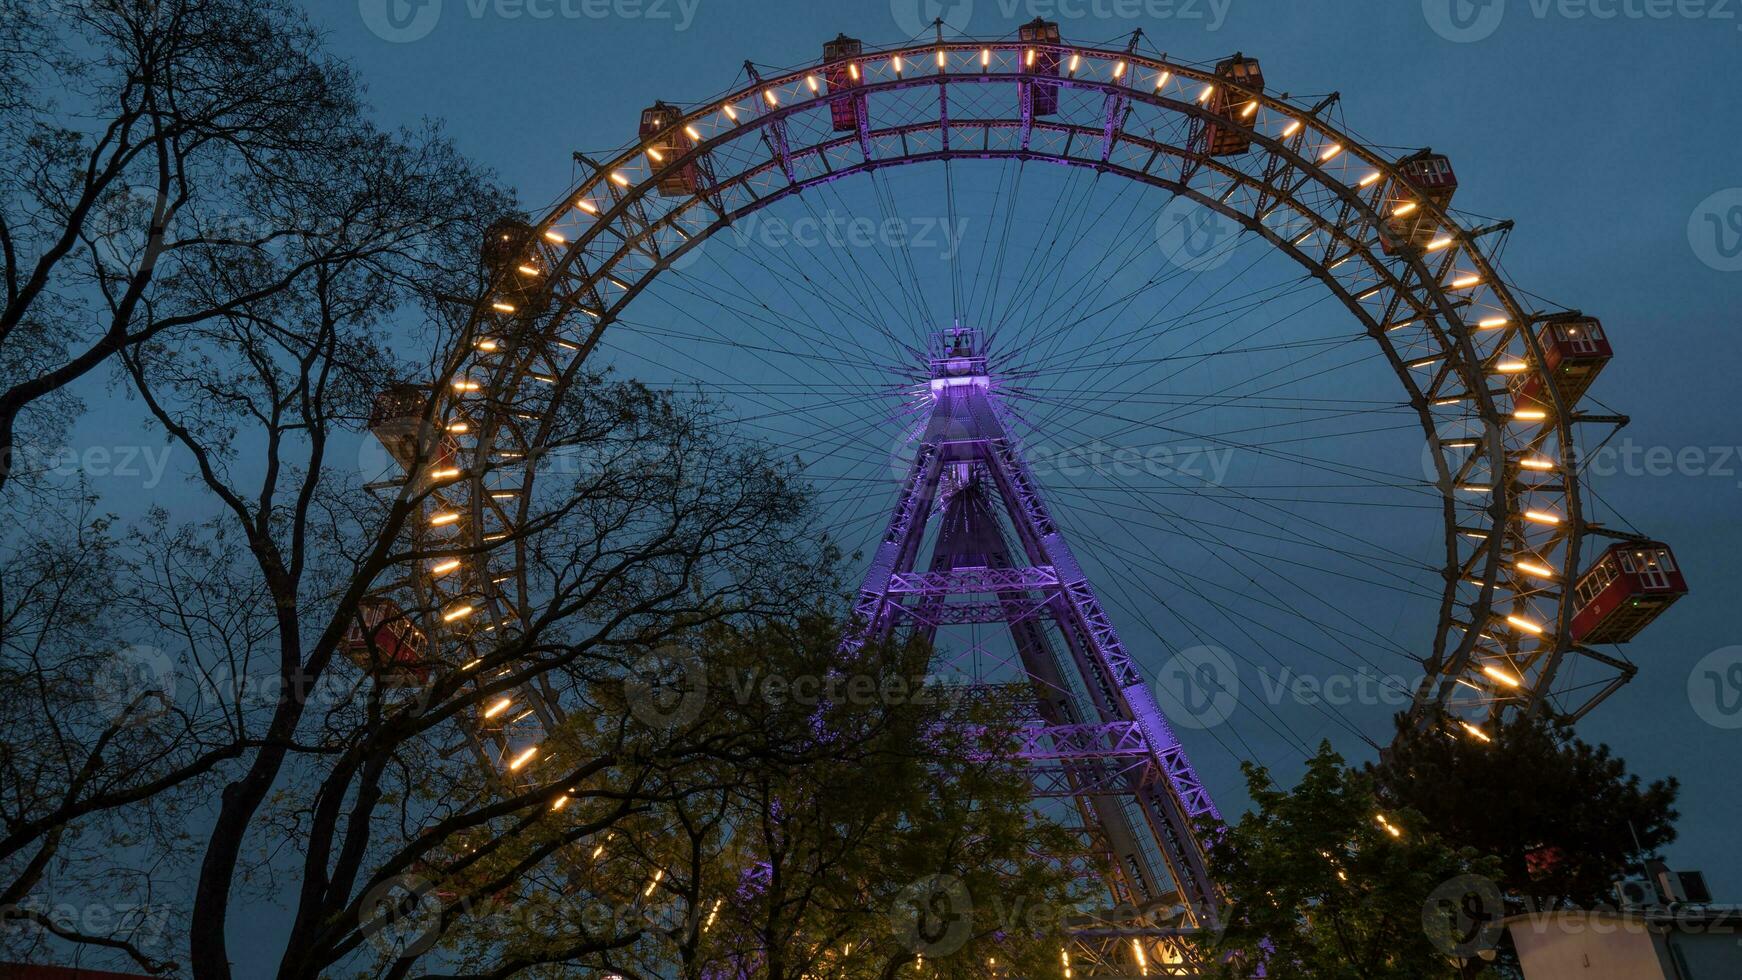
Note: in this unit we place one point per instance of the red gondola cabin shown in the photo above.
(666, 141)
(1574, 351)
(1234, 105)
(383, 642)
(1628, 587)
(1041, 57)
(1427, 179)
(841, 72)
(397, 421)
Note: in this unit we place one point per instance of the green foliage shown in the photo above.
(913, 837)
(1319, 886)
(1564, 817)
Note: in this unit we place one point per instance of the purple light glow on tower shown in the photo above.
(1098, 735)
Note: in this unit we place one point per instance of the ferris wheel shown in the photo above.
(1102, 362)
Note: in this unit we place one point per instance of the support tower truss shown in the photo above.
(1093, 732)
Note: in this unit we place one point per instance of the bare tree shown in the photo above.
(94, 761)
(257, 261)
(166, 166)
(144, 143)
(668, 527)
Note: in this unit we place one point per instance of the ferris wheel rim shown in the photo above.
(786, 102)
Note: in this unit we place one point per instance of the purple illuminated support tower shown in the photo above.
(1096, 734)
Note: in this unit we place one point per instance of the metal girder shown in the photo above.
(964, 613)
(973, 581)
(1103, 741)
(779, 146)
(1063, 782)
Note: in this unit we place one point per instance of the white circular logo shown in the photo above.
(667, 688)
(1715, 688)
(1463, 21)
(400, 21)
(1715, 230)
(1198, 687)
(401, 917)
(135, 685)
(915, 17)
(1195, 238)
(1462, 916)
(933, 917)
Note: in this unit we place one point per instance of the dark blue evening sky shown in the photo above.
(1600, 135)
(1602, 129)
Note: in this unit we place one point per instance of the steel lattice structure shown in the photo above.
(966, 464)
(1454, 334)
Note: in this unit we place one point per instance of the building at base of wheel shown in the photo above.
(1678, 941)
